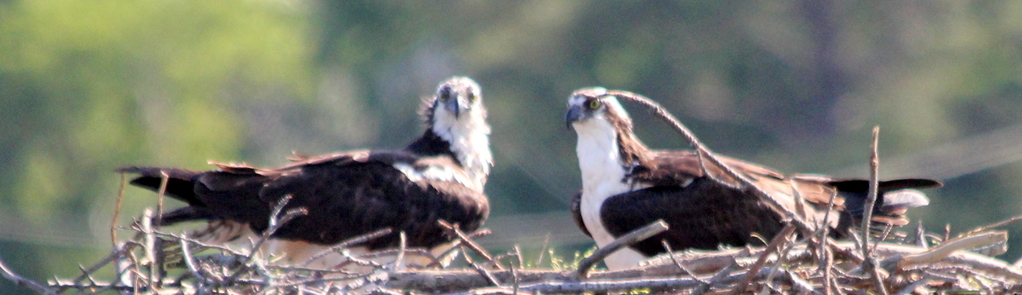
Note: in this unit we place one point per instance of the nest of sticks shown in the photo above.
(800, 260)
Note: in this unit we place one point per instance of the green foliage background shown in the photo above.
(87, 86)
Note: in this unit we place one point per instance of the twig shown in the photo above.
(995, 225)
(469, 242)
(912, 287)
(703, 287)
(157, 260)
(187, 253)
(275, 222)
(455, 249)
(109, 258)
(117, 211)
(515, 284)
(782, 256)
(828, 264)
(399, 260)
(518, 254)
(878, 280)
(770, 249)
(150, 244)
(20, 281)
(867, 214)
(824, 229)
(542, 250)
(631, 238)
(920, 235)
(482, 271)
(348, 243)
(947, 248)
(883, 236)
(681, 267)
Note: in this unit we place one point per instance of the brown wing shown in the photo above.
(346, 195)
(679, 167)
(702, 215)
(348, 198)
(717, 210)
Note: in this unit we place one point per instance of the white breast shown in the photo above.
(602, 177)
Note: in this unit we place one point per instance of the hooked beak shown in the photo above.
(456, 104)
(575, 114)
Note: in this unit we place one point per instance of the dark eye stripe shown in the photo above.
(445, 93)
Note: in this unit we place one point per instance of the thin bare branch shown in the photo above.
(117, 211)
(629, 239)
(469, 242)
(20, 281)
(867, 211)
(348, 243)
(761, 261)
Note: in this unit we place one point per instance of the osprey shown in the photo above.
(440, 175)
(625, 186)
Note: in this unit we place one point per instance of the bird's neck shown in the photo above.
(471, 151)
(605, 158)
(604, 173)
(599, 161)
(429, 144)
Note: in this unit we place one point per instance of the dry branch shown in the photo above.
(631, 238)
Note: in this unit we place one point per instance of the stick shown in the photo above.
(157, 244)
(631, 238)
(771, 248)
(187, 253)
(20, 281)
(682, 267)
(399, 260)
(995, 225)
(704, 287)
(347, 243)
(117, 210)
(948, 248)
(469, 242)
(546, 244)
(482, 270)
(867, 214)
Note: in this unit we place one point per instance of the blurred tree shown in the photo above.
(91, 86)
(86, 87)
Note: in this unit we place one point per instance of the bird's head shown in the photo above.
(595, 108)
(456, 114)
(596, 115)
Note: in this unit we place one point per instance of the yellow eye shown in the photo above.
(594, 104)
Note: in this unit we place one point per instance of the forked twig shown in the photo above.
(466, 240)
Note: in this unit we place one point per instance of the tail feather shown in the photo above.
(180, 182)
(894, 198)
(185, 214)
